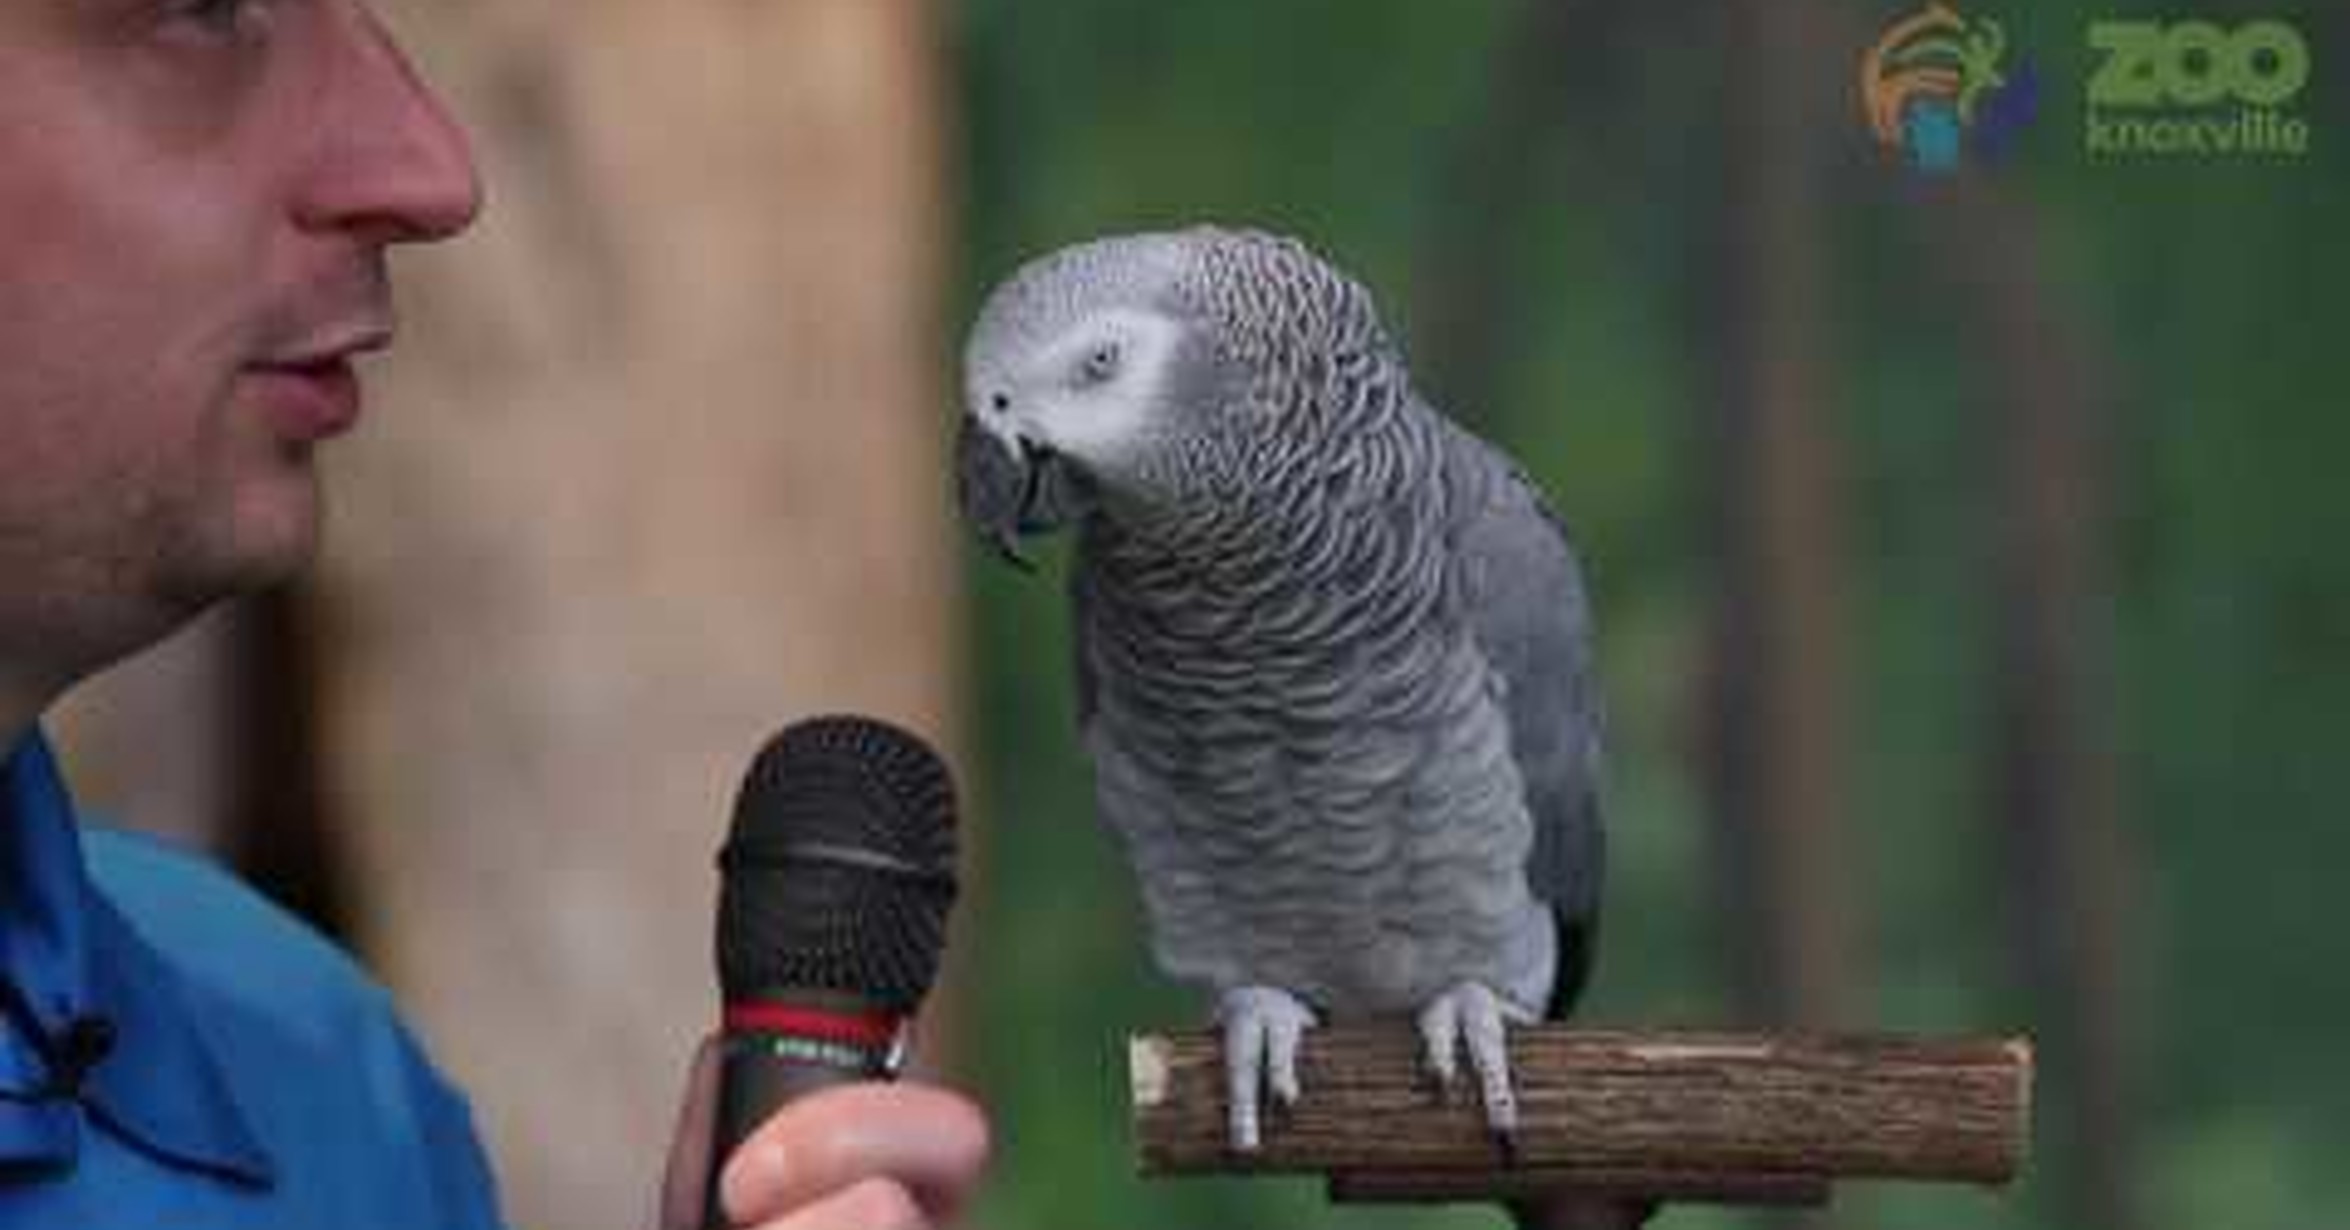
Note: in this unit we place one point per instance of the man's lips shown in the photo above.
(309, 391)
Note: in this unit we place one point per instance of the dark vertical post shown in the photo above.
(2052, 776)
(1779, 705)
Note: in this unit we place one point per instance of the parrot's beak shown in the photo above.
(1001, 486)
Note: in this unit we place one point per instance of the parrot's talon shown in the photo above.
(1285, 1090)
(1263, 1027)
(1471, 1017)
(1440, 1029)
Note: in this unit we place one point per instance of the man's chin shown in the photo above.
(272, 538)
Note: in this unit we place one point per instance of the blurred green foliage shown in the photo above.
(2213, 291)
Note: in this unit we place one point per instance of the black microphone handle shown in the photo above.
(760, 1070)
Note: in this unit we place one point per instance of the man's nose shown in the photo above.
(392, 164)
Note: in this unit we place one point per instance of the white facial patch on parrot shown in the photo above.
(1093, 391)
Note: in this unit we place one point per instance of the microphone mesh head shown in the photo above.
(840, 866)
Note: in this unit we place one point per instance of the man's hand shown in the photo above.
(855, 1157)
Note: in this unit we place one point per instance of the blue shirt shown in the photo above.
(257, 1079)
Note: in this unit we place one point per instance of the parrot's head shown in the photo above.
(1150, 374)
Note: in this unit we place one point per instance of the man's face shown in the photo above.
(195, 201)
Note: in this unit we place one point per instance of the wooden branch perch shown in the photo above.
(1744, 1118)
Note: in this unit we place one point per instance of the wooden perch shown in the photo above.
(1633, 1117)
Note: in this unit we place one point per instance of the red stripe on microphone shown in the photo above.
(869, 1029)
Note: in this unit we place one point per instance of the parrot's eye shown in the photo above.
(1100, 364)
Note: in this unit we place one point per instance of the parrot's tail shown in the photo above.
(1578, 953)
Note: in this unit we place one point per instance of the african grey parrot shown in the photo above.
(1333, 663)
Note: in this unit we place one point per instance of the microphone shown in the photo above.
(835, 882)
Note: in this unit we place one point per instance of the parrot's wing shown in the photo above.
(1532, 622)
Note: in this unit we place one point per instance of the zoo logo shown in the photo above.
(2192, 87)
(1933, 88)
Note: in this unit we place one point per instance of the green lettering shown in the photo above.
(2129, 77)
(2266, 80)
(2198, 68)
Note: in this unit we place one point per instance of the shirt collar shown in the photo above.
(66, 952)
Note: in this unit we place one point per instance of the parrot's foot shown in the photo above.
(1262, 1027)
(1471, 1017)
